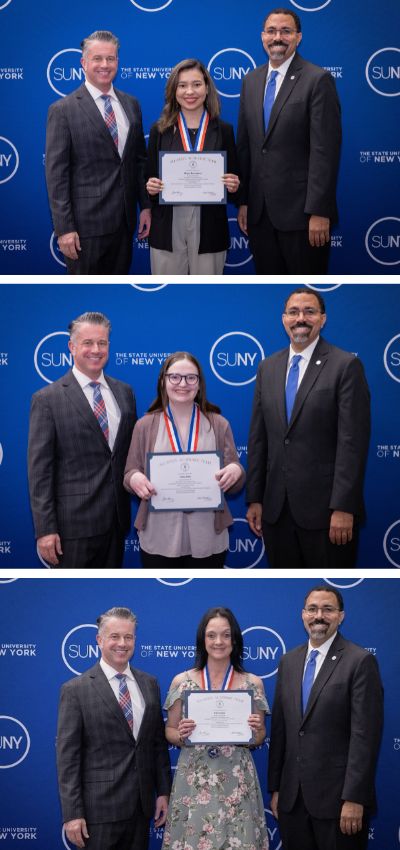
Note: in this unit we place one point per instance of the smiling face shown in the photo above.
(182, 392)
(90, 348)
(303, 320)
(218, 639)
(321, 616)
(117, 642)
(191, 91)
(100, 64)
(280, 38)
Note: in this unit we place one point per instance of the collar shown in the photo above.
(307, 353)
(96, 93)
(324, 648)
(109, 671)
(282, 70)
(84, 381)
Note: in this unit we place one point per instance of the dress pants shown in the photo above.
(300, 831)
(285, 252)
(120, 835)
(110, 253)
(184, 257)
(103, 551)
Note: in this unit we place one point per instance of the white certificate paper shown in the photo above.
(192, 177)
(221, 717)
(185, 481)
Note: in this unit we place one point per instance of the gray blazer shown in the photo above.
(75, 480)
(332, 750)
(102, 770)
(90, 187)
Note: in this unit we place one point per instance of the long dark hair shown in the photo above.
(169, 115)
(236, 637)
(161, 401)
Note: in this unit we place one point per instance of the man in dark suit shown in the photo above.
(112, 754)
(288, 143)
(79, 436)
(308, 445)
(325, 734)
(95, 162)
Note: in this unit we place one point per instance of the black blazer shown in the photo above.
(214, 230)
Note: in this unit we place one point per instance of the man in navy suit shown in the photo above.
(288, 143)
(325, 734)
(95, 162)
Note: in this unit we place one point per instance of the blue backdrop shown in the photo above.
(229, 328)
(47, 636)
(355, 41)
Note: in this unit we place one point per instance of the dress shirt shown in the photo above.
(322, 653)
(305, 359)
(138, 704)
(113, 411)
(120, 116)
(281, 74)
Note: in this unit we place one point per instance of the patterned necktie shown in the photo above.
(309, 676)
(99, 408)
(124, 699)
(110, 119)
(291, 385)
(269, 98)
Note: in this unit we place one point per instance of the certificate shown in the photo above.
(192, 177)
(185, 481)
(221, 717)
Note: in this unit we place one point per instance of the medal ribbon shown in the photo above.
(201, 133)
(205, 678)
(172, 430)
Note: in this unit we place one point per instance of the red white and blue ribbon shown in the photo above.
(226, 684)
(201, 133)
(172, 430)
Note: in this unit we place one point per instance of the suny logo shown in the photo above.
(14, 741)
(151, 5)
(391, 544)
(50, 355)
(310, 5)
(383, 71)
(57, 255)
(245, 549)
(65, 72)
(263, 649)
(9, 159)
(79, 649)
(228, 68)
(382, 241)
(239, 252)
(391, 358)
(234, 358)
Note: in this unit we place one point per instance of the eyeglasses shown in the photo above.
(293, 312)
(175, 379)
(327, 610)
(273, 31)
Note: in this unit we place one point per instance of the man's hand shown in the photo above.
(318, 231)
(242, 218)
(49, 548)
(144, 224)
(254, 516)
(274, 804)
(160, 814)
(76, 831)
(69, 245)
(351, 818)
(341, 527)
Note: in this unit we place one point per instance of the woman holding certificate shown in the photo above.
(216, 800)
(181, 461)
(189, 230)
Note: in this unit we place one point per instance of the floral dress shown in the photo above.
(216, 802)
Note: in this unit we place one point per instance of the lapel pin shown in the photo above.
(317, 362)
(333, 657)
(292, 78)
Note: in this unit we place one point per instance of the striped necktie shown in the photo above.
(110, 119)
(99, 409)
(124, 699)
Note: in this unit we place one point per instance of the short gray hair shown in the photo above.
(99, 35)
(120, 613)
(90, 318)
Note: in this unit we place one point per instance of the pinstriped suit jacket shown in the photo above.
(90, 187)
(75, 480)
(102, 770)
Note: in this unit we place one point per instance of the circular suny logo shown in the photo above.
(311, 5)
(149, 287)
(383, 71)
(391, 358)
(174, 582)
(391, 544)
(1, 454)
(263, 649)
(323, 287)
(15, 741)
(64, 71)
(234, 358)
(151, 5)
(9, 160)
(3, 5)
(52, 357)
(55, 251)
(382, 241)
(79, 649)
(239, 250)
(228, 68)
(245, 550)
(275, 842)
(344, 583)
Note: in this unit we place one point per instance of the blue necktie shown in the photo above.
(291, 385)
(309, 677)
(99, 408)
(124, 699)
(269, 98)
(110, 119)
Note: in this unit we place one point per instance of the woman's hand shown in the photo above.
(228, 476)
(185, 727)
(154, 185)
(231, 181)
(141, 486)
(255, 722)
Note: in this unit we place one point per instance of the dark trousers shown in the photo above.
(159, 562)
(285, 252)
(107, 254)
(289, 546)
(103, 551)
(300, 831)
(120, 835)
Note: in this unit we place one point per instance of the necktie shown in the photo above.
(309, 675)
(99, 408)
(269, 98)
(124, 699)
(110, 119)
(291, 385)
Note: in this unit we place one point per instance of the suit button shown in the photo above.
(287, 441)
(301, 734)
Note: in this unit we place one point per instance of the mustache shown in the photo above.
(319, 623)
(301, 325)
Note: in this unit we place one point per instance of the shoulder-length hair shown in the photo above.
(169, 115)
(236, 637)
(161, 400)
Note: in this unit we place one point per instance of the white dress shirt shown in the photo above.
(322, 653)
(138, 704)
(119, 112)
(113, 411)
(282, 71)
(305, 359)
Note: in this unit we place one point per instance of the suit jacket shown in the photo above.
(318, 459)
(292, 166)
(214, 229)
(332, 750)
(90, 187)
(75, 479)
(102, 770)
